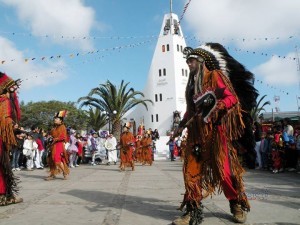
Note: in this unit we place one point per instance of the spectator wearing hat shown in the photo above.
(126, 148)
(58, 158)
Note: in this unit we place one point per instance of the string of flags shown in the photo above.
(247, 39)
(84, 62)
(76, 37)
(184, 10)
(248, 51)
(243, 39)
(72, 55)
(152, 37)
(272, 87)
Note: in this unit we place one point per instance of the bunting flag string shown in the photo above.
(272, 87)
(72, 55)
(117, 37)
(247, 39)
(184, 10)
(101, 57)
(76, 37)
(246, 51)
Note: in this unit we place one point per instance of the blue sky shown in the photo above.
(93, 41)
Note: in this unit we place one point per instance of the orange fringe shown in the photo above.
(7, 132)
(205, 176)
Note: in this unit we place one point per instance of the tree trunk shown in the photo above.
(116, 129)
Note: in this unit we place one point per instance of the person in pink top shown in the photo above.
(39, 154)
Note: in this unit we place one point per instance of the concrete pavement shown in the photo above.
(148, 196)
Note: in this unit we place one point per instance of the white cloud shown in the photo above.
(281, 72)
(56, 18)
(31, 73)
(232, 19)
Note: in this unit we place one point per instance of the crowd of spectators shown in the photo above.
(277, 146)
(32, 148)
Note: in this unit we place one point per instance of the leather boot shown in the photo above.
(239, 215)
(183, 220)
(14, 200)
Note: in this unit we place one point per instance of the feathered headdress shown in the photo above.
(216, 57)
(5, 83)
(61, 114)
(128, 125)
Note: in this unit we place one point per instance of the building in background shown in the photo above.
(167, 79)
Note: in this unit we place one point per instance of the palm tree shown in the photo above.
(256, 111)
(97, 120)
(114, 101)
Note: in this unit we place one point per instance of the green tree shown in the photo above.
(115, 101)
(97, 120)
(257, 110)
(42, 113)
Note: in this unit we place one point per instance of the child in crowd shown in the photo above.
(29, 150)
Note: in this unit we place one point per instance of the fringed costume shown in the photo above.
(138, 149)
(146, 143)
(126, 148)
(58, 157)
(9, 114)
(216, 122)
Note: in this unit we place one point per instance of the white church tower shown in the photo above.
(167, 79)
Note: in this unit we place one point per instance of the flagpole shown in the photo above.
(171, 19)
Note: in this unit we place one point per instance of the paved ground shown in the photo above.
(150, 195)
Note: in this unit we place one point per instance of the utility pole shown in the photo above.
(298, 63)
(298, 70)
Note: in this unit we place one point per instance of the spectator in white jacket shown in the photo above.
(29, 150)
(111, 146)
